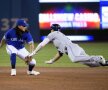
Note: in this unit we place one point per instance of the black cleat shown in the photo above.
(106, 63)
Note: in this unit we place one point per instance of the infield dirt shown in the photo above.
(73, 78)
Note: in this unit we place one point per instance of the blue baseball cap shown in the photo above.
(21, 22)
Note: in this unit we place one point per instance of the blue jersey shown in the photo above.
(12, 38)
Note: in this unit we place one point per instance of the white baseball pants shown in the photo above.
(21, 53)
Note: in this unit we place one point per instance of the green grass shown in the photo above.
(100, 48)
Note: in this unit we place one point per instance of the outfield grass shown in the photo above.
(99, 48)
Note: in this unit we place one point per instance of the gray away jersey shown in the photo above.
(75, 52)
(59, 40)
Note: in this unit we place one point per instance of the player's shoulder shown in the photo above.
(10, 31)
(27, 33)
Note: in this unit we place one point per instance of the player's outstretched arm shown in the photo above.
(41, 45)
(55, 58)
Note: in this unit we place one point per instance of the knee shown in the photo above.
(77, 59)
(32, 62)
(74, 60)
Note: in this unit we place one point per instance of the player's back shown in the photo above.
(59, 39)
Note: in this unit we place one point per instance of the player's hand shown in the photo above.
(49, 62)
(28, 59)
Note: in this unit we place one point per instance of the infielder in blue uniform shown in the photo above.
(65, 46)
(15, 40)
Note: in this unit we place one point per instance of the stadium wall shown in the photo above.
(11, 10)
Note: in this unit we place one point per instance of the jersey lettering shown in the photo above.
(15, 39)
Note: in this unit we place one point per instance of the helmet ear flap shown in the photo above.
(55, 27)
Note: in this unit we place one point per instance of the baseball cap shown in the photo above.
(21, 22)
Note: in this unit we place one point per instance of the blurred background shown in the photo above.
(81, 20)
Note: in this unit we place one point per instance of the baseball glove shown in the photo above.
(28, 59)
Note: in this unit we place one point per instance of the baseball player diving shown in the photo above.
(65, 46)
(15, 38)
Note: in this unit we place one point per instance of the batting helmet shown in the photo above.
(55, 27)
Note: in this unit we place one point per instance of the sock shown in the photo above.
(30, 67)
(13, 60)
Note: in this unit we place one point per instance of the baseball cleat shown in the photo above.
(102, 60)
(33, 73)
(13, 72)
(106, 63)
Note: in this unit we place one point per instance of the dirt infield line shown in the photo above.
(55, 79)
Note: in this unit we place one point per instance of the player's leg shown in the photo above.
(94, 64)
(30, 68)
(77, 54)
(12, 52)
(106, 63)
(91, 63)
(22, 53)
